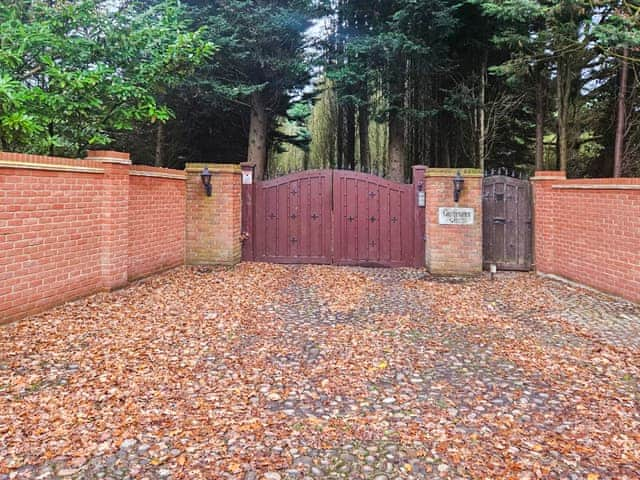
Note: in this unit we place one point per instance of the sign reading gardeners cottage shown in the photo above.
(455, 216)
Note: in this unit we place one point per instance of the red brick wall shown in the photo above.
(69, 228)
(214, 223)
(50, 233)
(588, 231)
(157, 208)
(453, 249)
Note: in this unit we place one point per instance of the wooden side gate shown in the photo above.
(333, 217)
(507, 222)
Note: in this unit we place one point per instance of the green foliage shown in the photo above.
(72, 73)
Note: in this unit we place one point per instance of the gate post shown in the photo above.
(419, 193)
(248, 210)
(213, 234)
(453, 230)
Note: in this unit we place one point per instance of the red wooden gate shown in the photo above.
(334, 216)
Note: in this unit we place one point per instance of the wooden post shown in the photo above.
(248, 210)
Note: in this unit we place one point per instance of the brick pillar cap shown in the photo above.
(109, 156)
(247, 165)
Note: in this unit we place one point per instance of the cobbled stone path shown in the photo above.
(317, 372)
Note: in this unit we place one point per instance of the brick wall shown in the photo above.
(588, 231)
(214, 223)
(50, 231)
(453, 249)
(157, 206)
(69, 227)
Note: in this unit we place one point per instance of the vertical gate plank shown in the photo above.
(293, 218)
(282, 233)
(271, 221)
(373, 220)
(384, 247)
(395, 212)
(406, 223)
(499, 242)
(304, 249)
(317, 217)
(362, 232)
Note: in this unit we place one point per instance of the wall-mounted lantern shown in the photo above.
(206, 180)
(458, 183)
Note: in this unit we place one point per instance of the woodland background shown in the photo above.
(371, 85)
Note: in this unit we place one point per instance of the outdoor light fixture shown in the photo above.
(458, 183)
(206, 180)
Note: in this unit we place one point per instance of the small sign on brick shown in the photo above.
(455, 216)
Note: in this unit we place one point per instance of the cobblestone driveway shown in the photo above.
(275, 372)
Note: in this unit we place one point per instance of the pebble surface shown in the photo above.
(332, 373)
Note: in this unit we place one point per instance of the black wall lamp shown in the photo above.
(458, 183)
(206, 180)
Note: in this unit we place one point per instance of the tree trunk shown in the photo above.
(396, 147)
(541, 102)
(621, 114)
(482, 137)
(350, 137)
(563, 84)
(257, 154)
(340, 138)
(160, 137)
(363, 128)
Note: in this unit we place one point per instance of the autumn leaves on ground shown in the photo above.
(265, 371)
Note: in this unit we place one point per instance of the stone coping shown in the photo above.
(213, 167)
(595, 186)
(549, 175)
(147, 173)
(452, 172)
(50, 167)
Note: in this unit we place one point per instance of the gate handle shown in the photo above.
(499, 220)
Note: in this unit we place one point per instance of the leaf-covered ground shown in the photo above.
(277, 372)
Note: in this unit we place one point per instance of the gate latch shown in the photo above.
(501, 221)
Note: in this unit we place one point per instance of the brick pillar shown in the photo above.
(213, 233)
(453, 249)
(543, 217)
(114, 241)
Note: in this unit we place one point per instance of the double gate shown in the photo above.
(333, 217)
(507, 222)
